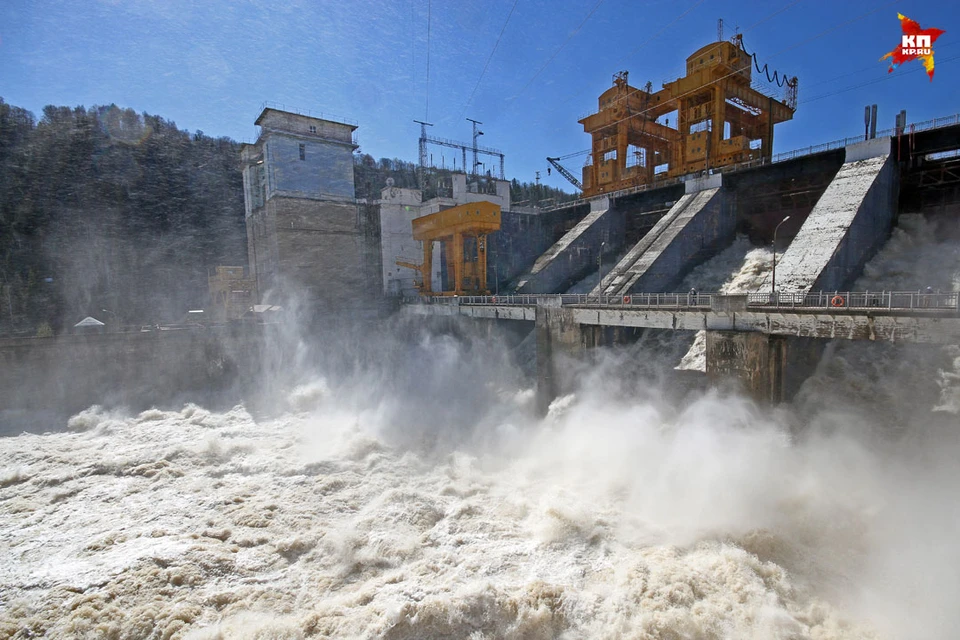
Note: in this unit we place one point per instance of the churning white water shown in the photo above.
(612, 518)
(740, 268)
(425, 500)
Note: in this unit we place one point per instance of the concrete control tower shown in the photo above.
(307, 236)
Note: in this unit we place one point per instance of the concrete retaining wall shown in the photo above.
(136, 370)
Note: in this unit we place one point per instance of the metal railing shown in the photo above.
(832, 301)
(860, 300)
(658, 300)
(279, 106)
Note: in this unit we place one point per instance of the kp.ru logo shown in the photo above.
(915, 43)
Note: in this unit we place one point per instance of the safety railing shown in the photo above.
(279, 106)
(857, 300)
(659, 300)
(831, 301)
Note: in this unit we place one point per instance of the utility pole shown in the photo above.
(423, 151)
(476, 133)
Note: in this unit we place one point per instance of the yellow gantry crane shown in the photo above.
(718, 119)
(463, 231)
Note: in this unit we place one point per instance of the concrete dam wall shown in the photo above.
(577, 251)
(847, 226)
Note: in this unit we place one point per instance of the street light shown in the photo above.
(116, 317)
(600, 269)
(773, 278)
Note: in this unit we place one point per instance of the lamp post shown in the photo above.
(773, 278)
(600, 269)
(116, 318)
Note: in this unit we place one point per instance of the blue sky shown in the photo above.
(210, 64)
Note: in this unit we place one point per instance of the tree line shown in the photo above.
(111, 213)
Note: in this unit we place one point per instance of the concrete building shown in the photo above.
(308, 238)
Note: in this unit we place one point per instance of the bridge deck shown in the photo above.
(881, 316)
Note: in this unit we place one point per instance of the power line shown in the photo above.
(833, 93)
(489, 58)
(427, 106)
(772, 15)
(661, 31)
(677, 71)
(834, 28)
(557, 52)
(673, 22)
(887, 76)
(864, 70)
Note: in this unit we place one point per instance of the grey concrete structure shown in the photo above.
(698, 225)
(215, 365)
(849, 223)
(770, 368)
(308, 238)
(768, 349)
(597, 235)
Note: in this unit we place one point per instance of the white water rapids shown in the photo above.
(428, 502)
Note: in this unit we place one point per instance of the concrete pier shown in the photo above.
(849, 223)
(768, 368)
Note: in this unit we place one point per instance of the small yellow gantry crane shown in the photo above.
(463, 231)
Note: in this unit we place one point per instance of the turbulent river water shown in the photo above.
(422, 498)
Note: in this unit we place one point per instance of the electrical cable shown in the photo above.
(677, 72)
(557, 52)
(886, 76)
(864, 70)
(426, 115)
(489, 58)
(776, 79)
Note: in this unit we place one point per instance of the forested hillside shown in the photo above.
(119, 215)
(104, 208)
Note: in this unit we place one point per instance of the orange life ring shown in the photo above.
(626, 299)
(837, 301)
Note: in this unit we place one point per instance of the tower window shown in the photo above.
(313, 128)
(303, 152)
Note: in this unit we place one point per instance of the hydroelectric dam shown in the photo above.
(827, 210)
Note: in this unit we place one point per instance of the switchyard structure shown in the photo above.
(475, 148)
(710, 118)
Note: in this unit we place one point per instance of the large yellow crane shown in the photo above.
(463, 231)
(718, 119)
